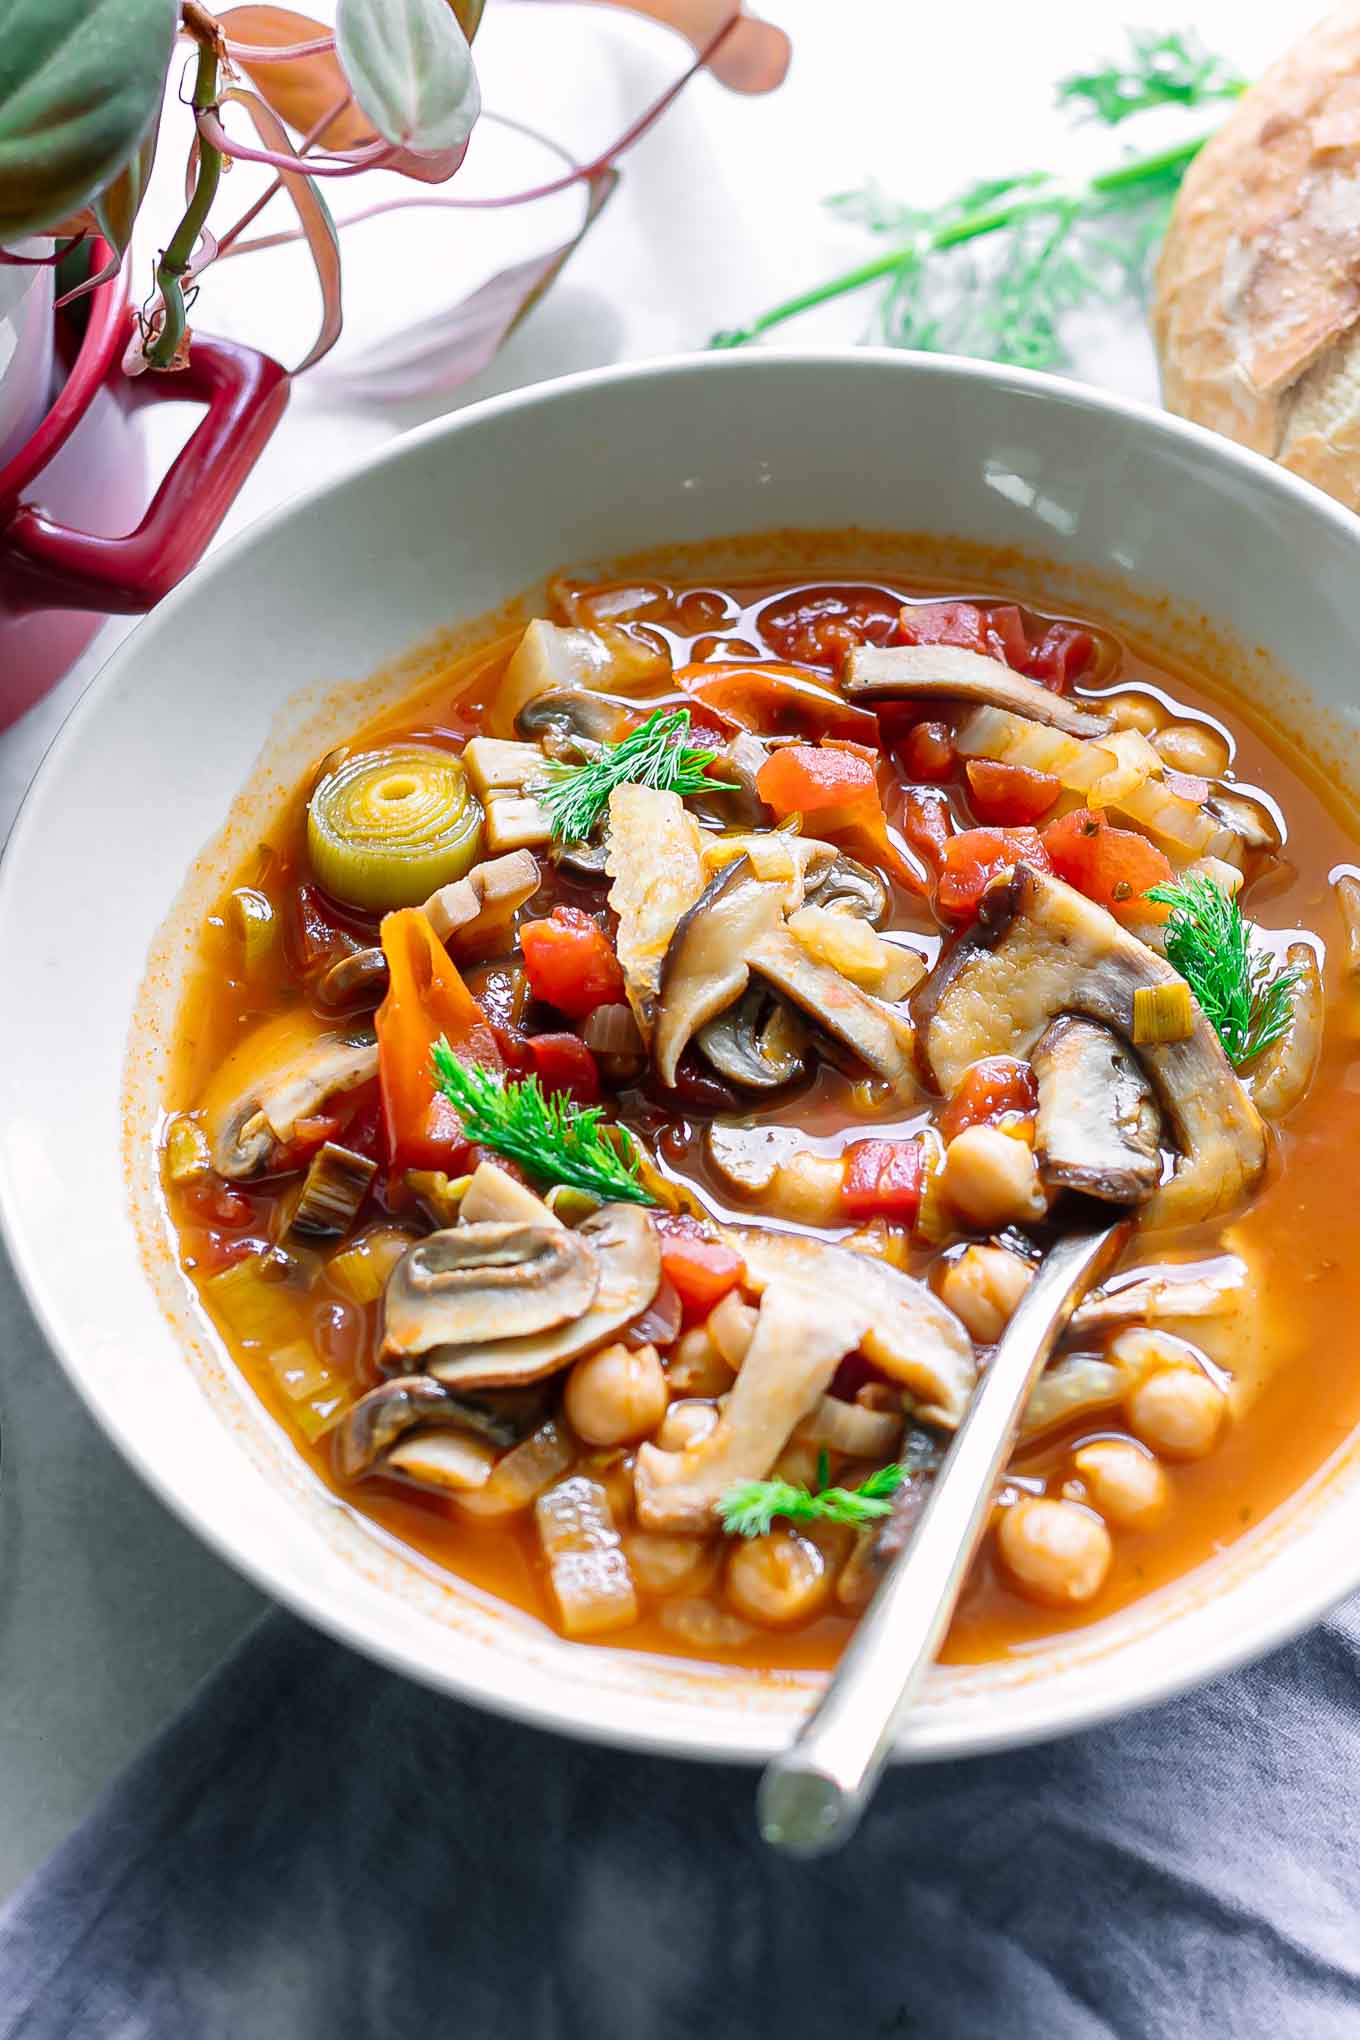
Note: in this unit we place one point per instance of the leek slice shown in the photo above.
(385, 829)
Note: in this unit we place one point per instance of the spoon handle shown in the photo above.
(812, 1796)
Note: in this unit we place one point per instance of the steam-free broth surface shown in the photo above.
(1278, 1358)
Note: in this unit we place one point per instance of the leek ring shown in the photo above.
(385, 829)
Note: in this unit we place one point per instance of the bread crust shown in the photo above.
(1256, 314)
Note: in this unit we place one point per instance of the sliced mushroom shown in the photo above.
(756, 1043)
(1284, 1071)
(551, 657)
(484, 1282)
(463, 913)
(876, 1033)
(283, 1072)
(906, 1331)
(1163, 1294)
(1098, 1128)
(801, 1337)
(625, 1246)
(372, 1425)
(1248, 818)
(653, 859)
(747, 1158)
(571, 723)
(705, 968)
(849, 887)
(742, 759)
(948, 673)
(1037, 950)
(449, 1462)
(583, 860)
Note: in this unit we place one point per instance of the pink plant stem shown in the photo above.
(371, 156)
(285, 53)
(227, 244)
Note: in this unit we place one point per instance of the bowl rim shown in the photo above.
(1160, 1680)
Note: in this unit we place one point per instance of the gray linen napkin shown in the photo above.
(317, 1850)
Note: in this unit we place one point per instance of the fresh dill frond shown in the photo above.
(749, 1508)
(1240, 992)
(1163, 68)
(544, 1132)
(654, 754)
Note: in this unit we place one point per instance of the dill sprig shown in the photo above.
(1241, 994)
(750, 1507)
(995, 270)
(1171, 68)
(545, 1133)
(654, 754)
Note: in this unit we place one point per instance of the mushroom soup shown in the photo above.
(626, 1097)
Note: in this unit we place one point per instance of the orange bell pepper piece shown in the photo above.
(426, 999)
(777, 701)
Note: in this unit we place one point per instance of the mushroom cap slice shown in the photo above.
(1098, 1128)
(878, 1034)
(948, 673)
(904, 1327)
(849, 887)
(654, 861)
(624, 1244)
(1037, 950)
(1283, 1073)
(472, 1284)
(800, 1338)
(283, 1072)
(450, 1462)
(371, 1426)
(705, 969)
(1165, 1292)
(757, 1042)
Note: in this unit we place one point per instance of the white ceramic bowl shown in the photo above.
(259, 660)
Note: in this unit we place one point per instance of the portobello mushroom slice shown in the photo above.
(948, 673)
(371, 1426)
(1098, 1128)
(877, 1034)
(907, 1332)
(849, 887)
(757, 1043)
(1280, 1076)
(800, 1338)
(624, 1244)
(571, 723)
(449, 1462)
(283, 1072)
(486, 1281)
(704, 970)
(654, 861)
(1038, 950)
(1164, 1293)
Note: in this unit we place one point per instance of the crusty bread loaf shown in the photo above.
(1257, 312)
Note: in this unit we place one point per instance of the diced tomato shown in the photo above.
(835, 788)
(564, 1063)
(362, 1128)
(212, 1199)
(312, 938)
(927, 824)
(1061, 656)
(1009, 796)
(995, 633)
(1112, 866)
(927, 753)
(883, 1180)
(974, 857)
(988, 1091)
(426, 1000)
(778, 701)
(570, 962)
(819, 626)
(701, 1270)
(213, 1251)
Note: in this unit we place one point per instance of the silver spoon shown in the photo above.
(811, 1798)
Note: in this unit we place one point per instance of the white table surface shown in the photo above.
(110, 1611)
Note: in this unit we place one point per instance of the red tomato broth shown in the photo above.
(1297, 1224)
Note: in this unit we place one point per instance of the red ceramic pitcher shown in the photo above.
(60, 496)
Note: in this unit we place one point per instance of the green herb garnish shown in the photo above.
(654, 754)
(545, 1133)
(1243, 996)
(995, 270)
(749, 1508)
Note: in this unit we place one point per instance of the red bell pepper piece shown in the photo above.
(992, 1089)
(1113, 866)
(701, 1271)
(570, 962)
(883, 1180)
(562, 1062)
(974, 857)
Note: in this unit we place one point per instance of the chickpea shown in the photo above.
(616, 1396)
(696, 1367)
(778, 1579)
(1178, 1411)
(1192, 747)
(1056, 1552)
(1134, 712)
(982, 1286)
(991, 1179)
(808, 1188)
(685, 1423)
(731, 1325)
(1124, 1482)
(666, 1565)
